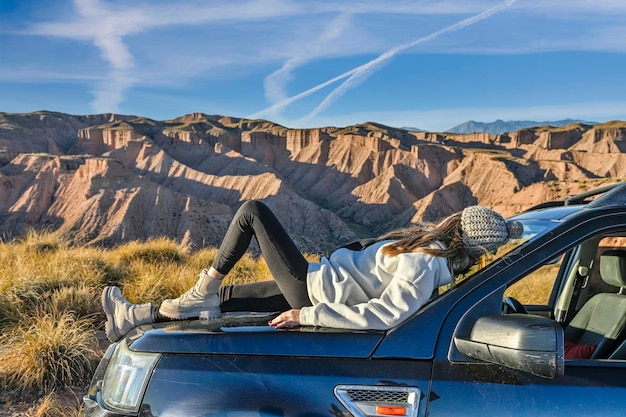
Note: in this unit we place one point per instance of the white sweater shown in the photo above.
(368, 290)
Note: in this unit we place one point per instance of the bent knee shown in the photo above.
(253, 207)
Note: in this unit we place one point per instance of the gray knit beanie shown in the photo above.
(484, 230)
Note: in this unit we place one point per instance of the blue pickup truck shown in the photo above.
(474, 350)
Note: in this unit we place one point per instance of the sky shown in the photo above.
(426, 64)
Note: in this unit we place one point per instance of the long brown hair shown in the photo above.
(423, 238)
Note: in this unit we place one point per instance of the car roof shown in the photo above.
(612, 195)
(550, 214)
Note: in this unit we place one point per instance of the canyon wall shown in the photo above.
(105, 179)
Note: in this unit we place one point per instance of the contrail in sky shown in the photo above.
(361, 73)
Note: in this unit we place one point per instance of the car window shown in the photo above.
(532, 229)
(536, 287)
(488, 259)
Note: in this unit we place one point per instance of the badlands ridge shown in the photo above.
(107, 178)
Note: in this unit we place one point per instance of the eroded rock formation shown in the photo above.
(105, 179)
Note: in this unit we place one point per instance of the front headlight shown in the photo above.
(126, 378)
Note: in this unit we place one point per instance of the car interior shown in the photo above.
(601, 320)
(585, 291)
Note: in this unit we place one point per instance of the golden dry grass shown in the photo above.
(51, 321)
(46, 352)
(55, 405)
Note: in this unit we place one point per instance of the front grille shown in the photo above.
(370, 395)
(365, 400)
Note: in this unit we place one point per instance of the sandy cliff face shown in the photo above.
(110, 178)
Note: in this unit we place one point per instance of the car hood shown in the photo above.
(249, 334)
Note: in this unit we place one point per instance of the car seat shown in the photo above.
(602, 320)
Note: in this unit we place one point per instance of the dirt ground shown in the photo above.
(29, 409)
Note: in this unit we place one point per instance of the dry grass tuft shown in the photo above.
(245, 270)
(40, 242)
(47, 407)
(10, 310)
(82, 300)
(155, 282)
(53, 405)
(48, 351)
(49, 270)
(202, 258)
(157, 250)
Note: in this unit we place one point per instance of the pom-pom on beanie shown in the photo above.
(484, 230)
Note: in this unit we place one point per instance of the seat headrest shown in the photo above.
(613, 267)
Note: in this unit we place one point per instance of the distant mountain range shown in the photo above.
(500, 126)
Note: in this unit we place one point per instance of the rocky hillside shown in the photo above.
(107, 178)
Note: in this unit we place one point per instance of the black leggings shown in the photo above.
(284, 260)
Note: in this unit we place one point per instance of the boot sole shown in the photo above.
(109, 328)
(211, 312)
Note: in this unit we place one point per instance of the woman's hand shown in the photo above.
(289, 318)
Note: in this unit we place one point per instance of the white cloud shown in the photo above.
(567, 8)
(276, 82)
(43, 76)
(285, 34)
(359, 74)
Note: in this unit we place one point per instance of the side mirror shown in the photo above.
(525, 342)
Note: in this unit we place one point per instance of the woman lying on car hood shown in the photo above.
(373, 286)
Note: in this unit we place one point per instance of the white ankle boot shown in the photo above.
(123, 316)
(200, 301)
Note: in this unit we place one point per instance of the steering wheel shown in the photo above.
(511, 305)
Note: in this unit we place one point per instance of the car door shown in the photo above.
(470, 387)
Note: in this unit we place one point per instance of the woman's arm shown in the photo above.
(290, 318)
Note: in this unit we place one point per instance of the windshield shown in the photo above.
(532, 229)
